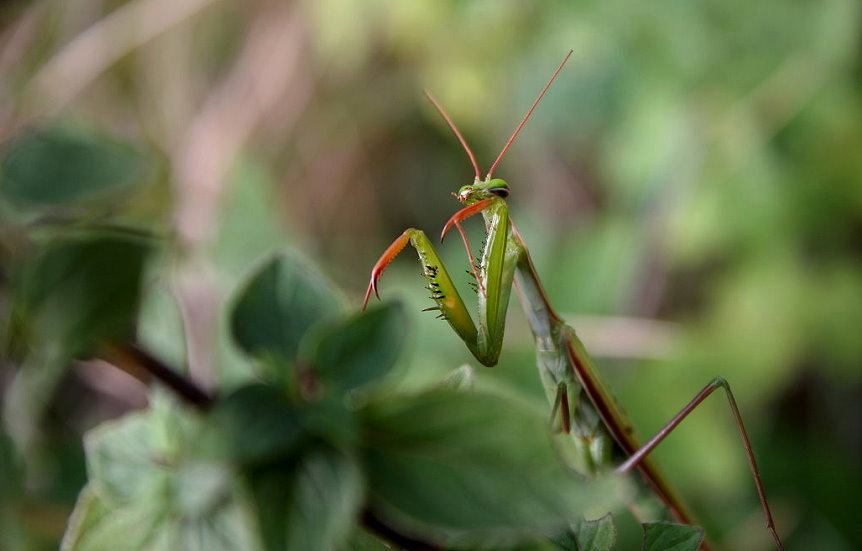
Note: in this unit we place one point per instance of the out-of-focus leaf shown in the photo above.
(155, 525)
(332, 420)
(360, 540)
(283, 300)
(78, 291)
(9, 468)
(87, 513)
(122, 462)
(459, 468)
(96, 527)
(151, 488)
(71, 294)
(462, 378)
(325, 502)
(52, 167)
(589, 535)
(361, 349)
(667, 536)
(258, 423)
(11, 525)
(538, 545)
(596, 535)
(269, 487)
(309, 502)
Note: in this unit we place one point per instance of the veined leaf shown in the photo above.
(667, 536)
(361, 349)
(282, 301)
(463, 468)
(307, 502)
(589, 535)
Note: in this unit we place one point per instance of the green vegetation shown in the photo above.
(689, 190)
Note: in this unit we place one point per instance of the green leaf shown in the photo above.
(462, 378)
(326, 500)
(596, 535)
(11, 524)
(122, 463)
(258, 423)
(309, 502)
(89, 510)
(282, 301)
(589, 535)
(332, 420)
(151, 488)
(361, 349)
(361, 540)
(77, 291)
(94, 526)
(68, 296)
(52, 167)
(667, 536)
(539, 545)
(156, 525)
(467, 468)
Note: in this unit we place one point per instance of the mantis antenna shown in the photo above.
(527, 116)
(457, 133)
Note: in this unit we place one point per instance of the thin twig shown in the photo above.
(141, 365)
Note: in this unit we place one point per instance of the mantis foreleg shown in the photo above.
(495, 276)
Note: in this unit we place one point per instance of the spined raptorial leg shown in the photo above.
(494, 278)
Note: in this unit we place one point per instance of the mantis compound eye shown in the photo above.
(499, 191)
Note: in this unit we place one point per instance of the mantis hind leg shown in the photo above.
(713, 385)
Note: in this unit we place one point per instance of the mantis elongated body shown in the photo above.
(582, 403)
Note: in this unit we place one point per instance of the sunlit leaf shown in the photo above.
(122, 464)
(462, 378)
(153, 488)
(96, 527)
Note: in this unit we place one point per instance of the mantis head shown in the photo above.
(483, 189)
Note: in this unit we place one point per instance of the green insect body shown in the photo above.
(582, 404)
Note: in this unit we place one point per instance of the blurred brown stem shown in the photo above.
(141, 365)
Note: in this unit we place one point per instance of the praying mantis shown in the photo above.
(582, 404)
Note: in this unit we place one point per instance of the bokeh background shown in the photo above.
(690, 189)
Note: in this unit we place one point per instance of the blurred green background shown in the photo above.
(690, 189)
